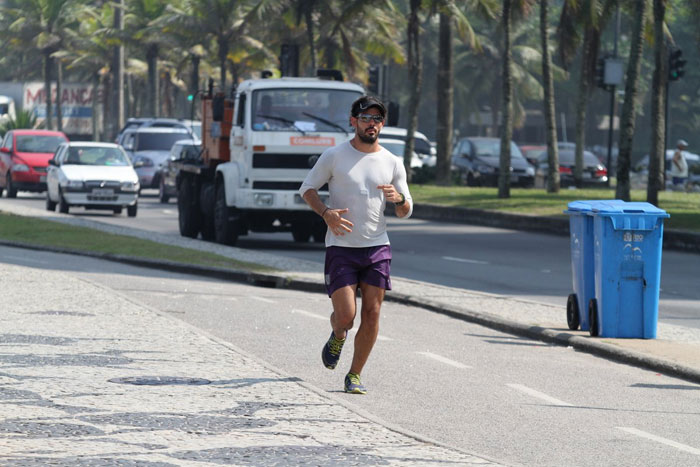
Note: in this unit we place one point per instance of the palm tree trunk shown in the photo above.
(94, 120)
(48, 121)
(445, 101)
(507, 105)
(117, 117)
(223, 54)
(553, 180)
(629, 108)
(308, 18)
(658, 102)
(581, 105)
(153, 97)
(59, 107)
(415, 71)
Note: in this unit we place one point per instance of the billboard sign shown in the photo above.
(76, 105)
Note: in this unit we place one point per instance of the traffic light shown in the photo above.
(675, 65)
(600, 72)
(374, 81)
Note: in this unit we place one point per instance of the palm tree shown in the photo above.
(629, 107)
(46, 23)
(658, 101)
(415, 70)
(139, 19)
(553, 180)
(507, 103)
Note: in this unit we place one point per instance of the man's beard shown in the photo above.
(365, 138)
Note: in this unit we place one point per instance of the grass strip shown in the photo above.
(33, 231)
(684, 208)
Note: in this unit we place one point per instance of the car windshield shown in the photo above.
(38, 143)
(492, 148)
(158, 141)
(197, 129)
(396, 148)
(302, 110)
(96, 156)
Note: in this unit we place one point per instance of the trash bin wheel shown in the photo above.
(572, 316)
(593, 317)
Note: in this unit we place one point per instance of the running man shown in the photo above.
(362, 177)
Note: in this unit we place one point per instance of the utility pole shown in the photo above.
(117, 117)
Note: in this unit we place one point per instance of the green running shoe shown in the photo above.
(331, 351)
(353, 384)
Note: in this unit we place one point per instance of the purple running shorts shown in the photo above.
(347, 266)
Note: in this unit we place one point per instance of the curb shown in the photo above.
(672, 240)
(588, 345)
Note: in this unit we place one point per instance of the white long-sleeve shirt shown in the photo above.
(353, 177)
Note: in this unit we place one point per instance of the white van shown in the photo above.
(7, 109)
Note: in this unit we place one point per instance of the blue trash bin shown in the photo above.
(582, 261)
(628, 240)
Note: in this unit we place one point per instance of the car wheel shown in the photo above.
(11, 190)
(50, 205)
(226, 226)
(471, 180)
(1, 190)
(117, 211)
(132, 210)
(63, 205)
(162, 195)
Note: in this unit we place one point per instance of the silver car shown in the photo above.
(149, 147)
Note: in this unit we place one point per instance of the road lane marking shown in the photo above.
(464, 260)
(444, 360)
(309, 314)
(538, 395)
(262, 299)
(383, 338)
(659, 439)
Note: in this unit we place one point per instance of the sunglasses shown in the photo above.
(366, 118)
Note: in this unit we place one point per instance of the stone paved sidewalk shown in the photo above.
(70, 351)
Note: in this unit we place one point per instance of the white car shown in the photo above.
(92, 175)
(425, 150)
(396, 147)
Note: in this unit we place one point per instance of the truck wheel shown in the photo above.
(301, 233)
(225, 229)
(189, 217)
(319, 232)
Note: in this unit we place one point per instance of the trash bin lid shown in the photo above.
(629, 207)
(587, 206)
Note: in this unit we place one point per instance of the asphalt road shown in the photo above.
(514, 400)
(500, 261)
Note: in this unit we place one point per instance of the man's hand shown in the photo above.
(390, 193)
(336, 222)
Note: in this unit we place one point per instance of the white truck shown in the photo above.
(257, 147)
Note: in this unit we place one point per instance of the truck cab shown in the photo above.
(260, 145)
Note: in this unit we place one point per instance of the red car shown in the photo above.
(24, 158)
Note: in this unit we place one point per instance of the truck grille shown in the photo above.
(284, 161)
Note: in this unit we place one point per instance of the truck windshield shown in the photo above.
(302, 110)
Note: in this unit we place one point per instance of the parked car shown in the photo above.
(532, 153)
(397, 147)
(594, 171)
(186, 149)
(24, 157)
(421, 144)
(476, 162)
(193, 126)
(92, 175)
(149, 149)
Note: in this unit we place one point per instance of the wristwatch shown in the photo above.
(402, 202)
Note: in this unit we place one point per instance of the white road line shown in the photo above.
(28, 260)
(539, 395)
(658, 439)
(384, 338)
(309, 314)
(261, 299)
(463, 260)
(444, 360)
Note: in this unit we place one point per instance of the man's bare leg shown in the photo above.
(372, 298)
(344, 310)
